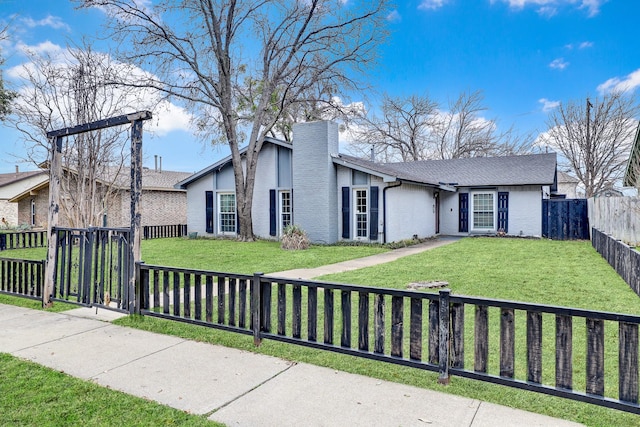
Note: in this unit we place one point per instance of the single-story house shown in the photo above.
(632, 172)
(334, 196)
(12, 184)
(568, 185)
(160, 203)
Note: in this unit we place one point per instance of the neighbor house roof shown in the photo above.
(152, 180)
(10, 178)
(566, 178)
(223, 162)
(631, 178)
(532, 169)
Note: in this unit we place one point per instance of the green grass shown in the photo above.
(34, 304)
(568, 274)
(32, 395)
(230, 255)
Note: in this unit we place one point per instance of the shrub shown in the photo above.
(294, 238)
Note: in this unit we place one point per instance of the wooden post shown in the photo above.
(55, 171)
(444, 337)
(136, 191)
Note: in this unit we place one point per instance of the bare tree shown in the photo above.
(60, 92)
(594, 138)
(416, 128)
(6, 95)
(239, 65)
(401, 132)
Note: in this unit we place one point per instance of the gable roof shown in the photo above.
(566, 178)
(10, 178)
(532, 169)
(631, 178)
(225, 161)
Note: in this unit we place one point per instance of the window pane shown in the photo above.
(359, 178)
(361, 213)
(227, 212)
(483, 211)
(285, 208)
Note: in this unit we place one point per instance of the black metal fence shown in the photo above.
(452, 335)
(23, 240)
(21, 277)
(624, 259)
(163, 231)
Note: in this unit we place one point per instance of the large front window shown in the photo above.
(483, 211)
(227, 213)
(361, 213)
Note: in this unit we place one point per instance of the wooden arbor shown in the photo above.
(55, 171)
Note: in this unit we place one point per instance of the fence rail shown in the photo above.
(163, 231)
(23, 240)
(624, 259)
(416, 329)
(21, 277)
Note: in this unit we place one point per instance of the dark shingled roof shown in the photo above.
(532, 169)
(8, 178)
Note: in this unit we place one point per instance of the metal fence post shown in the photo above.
(256, 304)
(445, 337)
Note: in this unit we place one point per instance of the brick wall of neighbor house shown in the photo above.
(42, 209)
(156, 208)
(9, 211)
(315, 205)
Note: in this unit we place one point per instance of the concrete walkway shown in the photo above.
(235, 387)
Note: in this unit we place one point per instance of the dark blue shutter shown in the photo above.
(503, 212)
(273, 224)
(463, 202)
(345, 213)
(209, 211)
(373, 214)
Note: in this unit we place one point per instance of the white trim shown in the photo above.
(281, 213)
(219, 213)
(356, 214)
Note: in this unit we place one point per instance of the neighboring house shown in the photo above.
(12, 184)
(567, 185)
(335, 197)
(632, 172)
(160, 203)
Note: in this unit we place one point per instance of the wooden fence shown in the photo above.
(21, 277)
(163, 231)
(565, 219)
(23, 240)
(624, 259)
(448, 334)
(617, 216)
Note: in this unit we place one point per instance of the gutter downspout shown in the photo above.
(384, 210)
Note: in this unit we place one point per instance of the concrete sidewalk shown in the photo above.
(355, 264)
(230, 386)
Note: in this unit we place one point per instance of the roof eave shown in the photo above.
(342, 162)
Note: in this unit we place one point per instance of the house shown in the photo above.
(632, 171)
(160, 204)
(12, 184)
(567, 185)
(334, 196)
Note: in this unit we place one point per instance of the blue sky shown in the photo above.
(525, 55)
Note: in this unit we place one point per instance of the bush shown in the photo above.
(294, 238)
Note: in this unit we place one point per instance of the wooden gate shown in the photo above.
(93, 266)
(565, 219)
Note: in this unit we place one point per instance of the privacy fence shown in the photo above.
(560, 351)
(617, 216)
(624, 259)
(23, 240)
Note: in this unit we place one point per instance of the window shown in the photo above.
(483, 211)
(361, 213)
(33, 212)
(285, 209)
(226, 213)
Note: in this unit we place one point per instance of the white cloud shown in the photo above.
(54, 22)
(168, 117)
(558, 64)
(548, 105)
(46, 48)
(585, 45)
(550, 6)
(616, 84)
(432, 4)
(547, 11)
(394, 16)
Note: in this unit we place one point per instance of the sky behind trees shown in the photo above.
(525, 55)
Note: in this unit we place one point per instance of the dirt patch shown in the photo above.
(428, 285)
